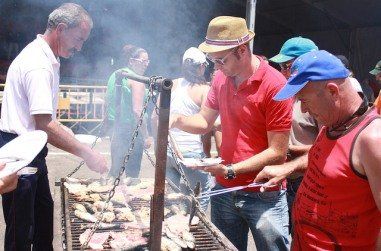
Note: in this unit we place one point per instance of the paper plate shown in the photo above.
(192, 162)
(19, 152)
(87, 139)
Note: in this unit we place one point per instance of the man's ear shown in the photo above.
(333, 89)
(241, 49)
(61, 27)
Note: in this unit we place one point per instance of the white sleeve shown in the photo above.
(39, 91)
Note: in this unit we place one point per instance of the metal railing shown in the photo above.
(79, 105)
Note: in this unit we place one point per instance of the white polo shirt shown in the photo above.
(31, 87)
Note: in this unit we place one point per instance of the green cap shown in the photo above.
(293, 48)
(377, 69)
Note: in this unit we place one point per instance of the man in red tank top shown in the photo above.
(338, 204)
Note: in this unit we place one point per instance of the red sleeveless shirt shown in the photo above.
(334, 208)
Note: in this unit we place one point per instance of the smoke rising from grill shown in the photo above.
(165, 28)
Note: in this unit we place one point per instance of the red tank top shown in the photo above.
(334, 207)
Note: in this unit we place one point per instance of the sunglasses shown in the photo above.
(141, 60)
(220, 61)
(286, 65)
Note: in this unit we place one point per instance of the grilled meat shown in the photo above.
(122, 210)
(169, 245)
(127, 240)
(89, 207)
(126, 216)
(118, 198)
(95, 197)
(96, 187)
(96, 241)
(107, 216)
(79, 207)
(99, 205)
(177, 229)
(85, 216)
(76, 189)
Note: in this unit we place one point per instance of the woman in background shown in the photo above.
(131, 105)
(188, 95)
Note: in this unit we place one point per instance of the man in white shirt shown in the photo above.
(30, 103)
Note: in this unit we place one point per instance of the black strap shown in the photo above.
(360, 111)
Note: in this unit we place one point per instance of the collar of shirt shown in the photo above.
(256, 77)
(47, 50)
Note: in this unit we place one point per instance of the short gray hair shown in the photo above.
(70, 14)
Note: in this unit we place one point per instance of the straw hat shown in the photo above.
(224, 33)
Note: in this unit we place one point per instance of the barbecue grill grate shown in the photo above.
(72, 227)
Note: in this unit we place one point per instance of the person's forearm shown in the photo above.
(63, 140)
(259, 161)
(297, 151)
(298, 165)
(195, 124)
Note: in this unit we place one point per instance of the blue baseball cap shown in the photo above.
(293, 48)
(312, 66)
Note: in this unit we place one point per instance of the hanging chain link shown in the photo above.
(92, 146)
(135, 134)
(149, 158)
(178, 166)
(184, 177)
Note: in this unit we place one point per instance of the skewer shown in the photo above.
(231, 189)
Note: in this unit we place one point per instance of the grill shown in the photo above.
(207, 236)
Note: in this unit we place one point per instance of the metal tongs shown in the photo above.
(231, 189)
(196, 191)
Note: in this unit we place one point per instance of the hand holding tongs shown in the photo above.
(196, 191)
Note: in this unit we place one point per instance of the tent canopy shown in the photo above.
(348, 27)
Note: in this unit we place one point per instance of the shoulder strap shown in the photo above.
(370, 120)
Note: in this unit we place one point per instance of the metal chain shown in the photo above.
(111, 192)
(184, 177)
(149, 158)
(178, 165)
(92, 146)
(180, 169)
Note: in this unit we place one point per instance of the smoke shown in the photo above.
(165, 28)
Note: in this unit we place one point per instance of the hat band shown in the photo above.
(228, 42)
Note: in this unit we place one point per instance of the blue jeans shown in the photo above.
(28, 210)
(292, 189)
(120, 143)
(265, 214)
(193, 177)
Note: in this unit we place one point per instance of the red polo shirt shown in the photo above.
(247, 114)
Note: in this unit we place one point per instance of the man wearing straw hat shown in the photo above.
(255, 132)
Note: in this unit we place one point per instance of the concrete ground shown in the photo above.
(60, 164)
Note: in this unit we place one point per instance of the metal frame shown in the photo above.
(164, 86)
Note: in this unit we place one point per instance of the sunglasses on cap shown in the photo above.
(220, 61)
(141, 60)
(286, 65)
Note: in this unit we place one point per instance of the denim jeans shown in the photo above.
(28, 210)
(292, 189)
(265, 214)
(120, 143)
(193, 177)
